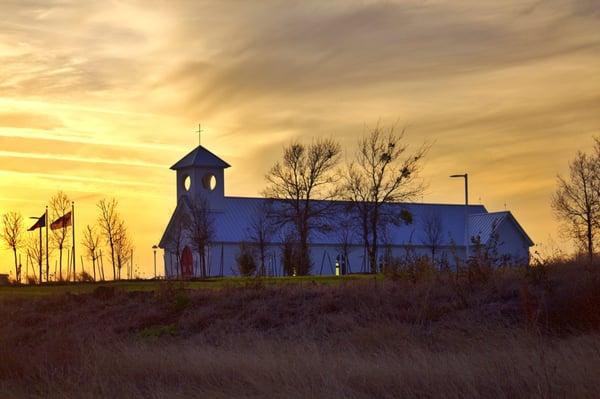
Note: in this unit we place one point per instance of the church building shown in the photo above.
(438, 231)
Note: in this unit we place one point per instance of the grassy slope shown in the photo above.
(501, 334)
(149, 285)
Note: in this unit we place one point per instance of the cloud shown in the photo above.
(96, 97)
(29, 120)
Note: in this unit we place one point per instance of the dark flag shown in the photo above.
(41, 222)
(61, 222)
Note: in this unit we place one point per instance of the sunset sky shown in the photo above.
(98, 99)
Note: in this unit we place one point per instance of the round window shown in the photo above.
(209, 181)
(187, 183)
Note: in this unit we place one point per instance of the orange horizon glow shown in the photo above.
(100, 99)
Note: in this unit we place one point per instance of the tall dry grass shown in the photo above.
(513, 334)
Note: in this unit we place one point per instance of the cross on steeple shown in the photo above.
(199, 131)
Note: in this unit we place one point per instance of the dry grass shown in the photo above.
(513, 334)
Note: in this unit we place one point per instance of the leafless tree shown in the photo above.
(12, 235)
(433, 233)
(576, 202)
(260, 233)
(122, 247)
(384, 172)
(60, 204)
(305, 174)
(109, 221)
(34, 251)
(201, 230)
(91, 243)
(176, 240)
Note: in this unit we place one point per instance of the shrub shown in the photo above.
(85, 277)
(245, 261)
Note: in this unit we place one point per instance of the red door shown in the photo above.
(187, 262)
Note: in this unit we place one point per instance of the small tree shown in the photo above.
(305, 173)
(201, 230)
(260, 232)
(60, 205)
(433, 234)
(176, 240)
(91, 243)
(245, 261)
(289, 254)
(576, 202)
(34, 251)
(122, 247)
(12, 235)
(108, 221)
(384, 172)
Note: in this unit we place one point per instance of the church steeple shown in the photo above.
(201, 174)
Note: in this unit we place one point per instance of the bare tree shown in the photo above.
(60, 205)
(91, 243)
(433, 233)
(576, 202)
(12, 235)
(201, 230)
(122, 247)
(384, 172)
(260, 233)
(34, 251)
(108, 221)
(176, 240)
(305, 174)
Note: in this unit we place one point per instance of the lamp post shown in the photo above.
(154, 248)
(466, 177)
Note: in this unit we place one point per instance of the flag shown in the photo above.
(41, 222)
(61, 222)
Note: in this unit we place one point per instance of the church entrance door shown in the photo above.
(187, 262)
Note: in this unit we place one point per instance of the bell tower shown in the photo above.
(200, 174)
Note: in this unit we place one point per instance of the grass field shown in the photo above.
(509, 333)
(152, 285)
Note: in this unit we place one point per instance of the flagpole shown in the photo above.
(73, 229)
(41, 254)
(47, 253)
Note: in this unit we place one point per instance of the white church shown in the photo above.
(201, 174)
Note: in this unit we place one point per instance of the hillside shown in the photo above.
(508, 333)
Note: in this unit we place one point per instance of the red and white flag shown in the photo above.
(62, 222)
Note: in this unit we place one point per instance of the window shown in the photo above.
(209, 181)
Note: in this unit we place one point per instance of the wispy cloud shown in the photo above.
(63, 157)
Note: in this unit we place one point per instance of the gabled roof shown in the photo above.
(486, 224)
(233, 222)
(200, 156)
(183, 205)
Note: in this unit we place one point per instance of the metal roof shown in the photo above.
(232, 224)
(484, 225)
(200, 156)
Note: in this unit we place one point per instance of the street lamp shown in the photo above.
(154, 248)
(466, 177)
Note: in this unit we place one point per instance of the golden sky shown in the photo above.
(99, 98)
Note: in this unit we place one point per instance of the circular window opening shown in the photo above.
(187, 183)
(209, 181)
